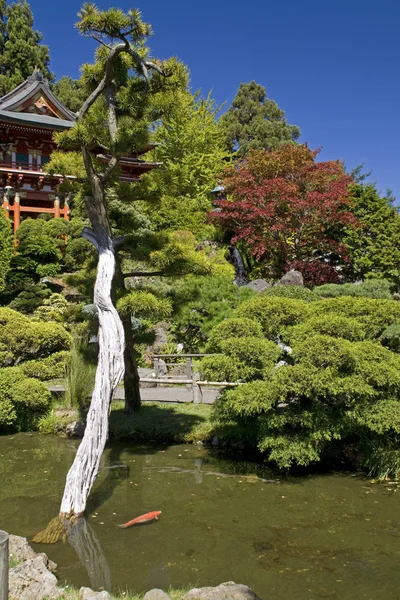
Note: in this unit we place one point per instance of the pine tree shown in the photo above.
(253, 121)
(22, 48)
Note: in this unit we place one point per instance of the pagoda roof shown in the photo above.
(34, 102)
(35, 120)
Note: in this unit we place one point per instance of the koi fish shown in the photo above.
(142, 519)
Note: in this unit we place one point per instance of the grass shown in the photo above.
(161, 423)
(175, 594)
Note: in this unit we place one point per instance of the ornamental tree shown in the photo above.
(109, 125)
(286, 207)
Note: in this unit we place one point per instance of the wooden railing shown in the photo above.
(190, 379)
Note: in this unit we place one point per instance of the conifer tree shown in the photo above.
(22, 50)
(253, 121)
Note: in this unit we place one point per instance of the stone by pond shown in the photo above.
(332, 536)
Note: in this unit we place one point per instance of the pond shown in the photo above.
(332, 536)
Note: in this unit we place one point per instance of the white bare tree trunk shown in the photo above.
(110, 370)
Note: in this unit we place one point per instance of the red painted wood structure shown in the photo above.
(29, 115)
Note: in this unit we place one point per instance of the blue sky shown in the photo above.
(332, 66)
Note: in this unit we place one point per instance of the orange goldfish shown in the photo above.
(142, 519)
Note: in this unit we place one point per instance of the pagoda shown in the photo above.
(29, 116)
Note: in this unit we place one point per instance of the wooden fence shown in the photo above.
(190, 379)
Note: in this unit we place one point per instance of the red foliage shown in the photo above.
(283, 205)
(315, 272)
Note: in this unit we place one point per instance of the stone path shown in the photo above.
(168, 393)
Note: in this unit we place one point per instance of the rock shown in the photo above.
(19, 549)
(76, 429)
(31, 580)
(161, 337)
(156, 594)
(225, 591)
(280, 364)
(162, 368)
(292, 278)
(285, 348)
(258, 285)
(88, 594)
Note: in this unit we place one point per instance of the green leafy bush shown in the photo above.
(333, 325)
(52, 367)
(296, 292)
(374, 315)
(245, 358)
(379, 289)
(391, 337)
(26, 339)
(273, 314)
(22, 400)
(232, 328)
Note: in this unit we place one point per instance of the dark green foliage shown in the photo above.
(229, 328)
(391, 338)
(371, 288)
(22, 51)
(6, 248)
(31, 298)
(22, 400)
(201, 303)
(70, 92)
(52, 367)
(219, 368)
(374, 248)
(273, 313)
(255, 121)
(296, 292)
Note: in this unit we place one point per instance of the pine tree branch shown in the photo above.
(143, 274)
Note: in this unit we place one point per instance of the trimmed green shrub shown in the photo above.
(323, 351)
(273, 314)
(391, 337)
(52, 367)
(246, 358)
(232, 328)
(374, 315)
(333, 325)
(379, 289)
(296, 292)
(218, 368)
(26, 339)
(22, 400)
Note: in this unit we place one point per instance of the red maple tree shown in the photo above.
(285, 207)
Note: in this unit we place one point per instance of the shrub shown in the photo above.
(315, 272)
(218, 368)
(374, 315)
(232, 328)
(30, 298)
(333, 325)
(22, 400)
(26, 339)
(379, 289)
(297, 292)
(52, 367)
(391, 337)
(273, 314)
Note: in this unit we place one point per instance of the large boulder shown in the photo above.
(156, 594)
(258, 285)
(88, 594)
(31, 580)
(292, 278)
(76, 429)
(225, 591)
(20, 550)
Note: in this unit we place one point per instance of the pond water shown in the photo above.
(333, 536)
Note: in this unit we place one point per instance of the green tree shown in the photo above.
(22, 50)
(6, 248)
(70, 92)
(190, 148)
(253, 121)
(374, 248)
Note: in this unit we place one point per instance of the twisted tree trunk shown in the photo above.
(110, 370)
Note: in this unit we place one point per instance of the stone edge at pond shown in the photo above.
(33, 579)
